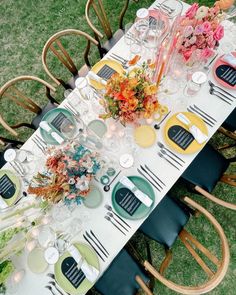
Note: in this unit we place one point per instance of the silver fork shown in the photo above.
(50, 289)
(41, 147)
(53, 283)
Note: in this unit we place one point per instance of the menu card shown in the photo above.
(227, 74)
(7, 187)
(106, 72)
(57, 121)
(70, 270)
(127, 200)
(180, 136)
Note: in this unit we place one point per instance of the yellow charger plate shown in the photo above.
(97, 67)
(144, 136)
(195, 120)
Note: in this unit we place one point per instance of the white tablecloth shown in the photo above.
(112, 239)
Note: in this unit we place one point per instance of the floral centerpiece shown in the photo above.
(200, 32)
(67, 176)
(131, 95)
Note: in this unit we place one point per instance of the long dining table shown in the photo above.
(113, 239)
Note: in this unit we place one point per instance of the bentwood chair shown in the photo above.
(11, 92)
(123, 277)
(228, 128)
(165, 224)
(55, 46)
(99, 10)
(206, 170)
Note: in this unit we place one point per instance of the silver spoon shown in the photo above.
(108, 186)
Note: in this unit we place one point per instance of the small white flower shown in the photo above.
(201, 12)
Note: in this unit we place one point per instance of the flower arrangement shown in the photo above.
(131, 95)
(68, 173)
(200, 32)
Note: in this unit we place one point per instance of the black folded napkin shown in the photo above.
(70, 270)
(180, 136)
(7, 187)
(127, 200)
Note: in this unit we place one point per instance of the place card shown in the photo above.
(227, 74)
(180, 136)
(57, 121)
(127, 200)
(70, 270)
(106, 72)
(7, 187)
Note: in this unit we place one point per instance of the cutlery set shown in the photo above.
(209, 120)
(71, 109)
(95, 243)
(169, 156)
(151, 177)
(40, 143)
(116, 220)
(55, 285)
(221, 93)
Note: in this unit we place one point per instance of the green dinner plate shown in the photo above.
(92, 259)
(94, 198)
(143, 210)
(49, 116)
(15, 179)
(98, 127)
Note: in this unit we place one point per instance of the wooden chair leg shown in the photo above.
(229, 179)
(214, 198)
(227, 133)
(226, 146)
(165, 263)
(143, 286)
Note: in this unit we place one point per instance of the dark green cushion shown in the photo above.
(230, 122)
(119, 278)
(206, 169)
(166, 221)
(35, 122)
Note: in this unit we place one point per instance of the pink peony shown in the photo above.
(198, 30)
(206, 53)
(206, 27)
(219, 33)
(187, 54)
(193, 40)
(191, 12)
(188, 31)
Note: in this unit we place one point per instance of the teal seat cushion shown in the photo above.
(230, 122)
(119, 278)
(166, 221)
(206, 169)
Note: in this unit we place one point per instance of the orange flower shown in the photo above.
(150, 89)
(134, 60)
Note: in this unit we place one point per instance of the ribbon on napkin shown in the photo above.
(230, 59)
(45, 126)
(95, 77)
(89, 271)
(3, 204)
(194, 130)
(138, 194)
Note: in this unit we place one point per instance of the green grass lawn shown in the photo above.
(25, 27)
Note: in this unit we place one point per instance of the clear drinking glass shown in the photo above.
(129, 34)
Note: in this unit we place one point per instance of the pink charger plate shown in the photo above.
(218, 63)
